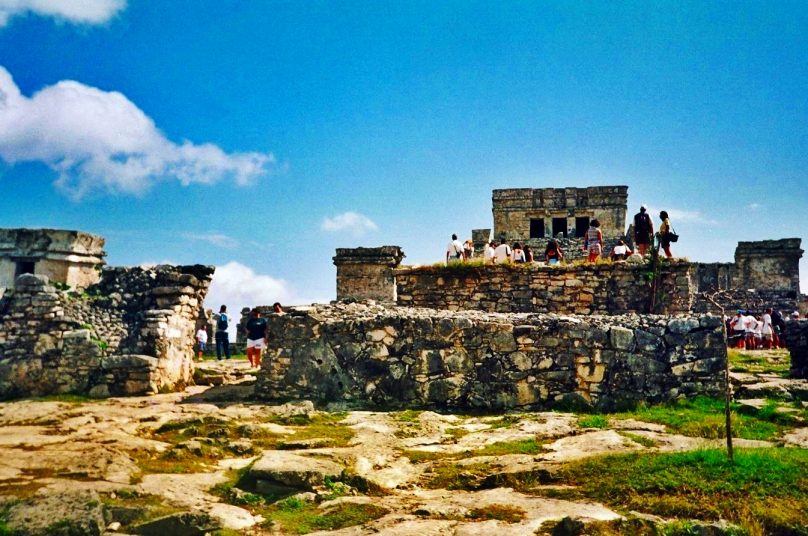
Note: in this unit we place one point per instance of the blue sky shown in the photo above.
(260, 136)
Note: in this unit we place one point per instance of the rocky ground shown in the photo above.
(210, 461)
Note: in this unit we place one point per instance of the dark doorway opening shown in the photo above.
(537, 228)
(560, 226)
(581, 226)
(24, 267)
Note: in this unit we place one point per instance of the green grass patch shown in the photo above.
(507, 421)
(67, 398)
(448, 475)
(642, 440)
(704, 417)
(296, 516)
(593, 421)
(522, 446)
(768, 487)
(499, 512)
(759, 361)
(409, 415)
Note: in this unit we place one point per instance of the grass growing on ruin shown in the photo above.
(764, 490)
(593, 421)
(502, 448)
(759, 361)
(639, 439)
(297, 516)
(324, 426)
(704, 417)
(143, 507)
(67, 398)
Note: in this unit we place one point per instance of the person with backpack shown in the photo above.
(643, 230)
(222, 337)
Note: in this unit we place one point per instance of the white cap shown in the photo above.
(644, 207)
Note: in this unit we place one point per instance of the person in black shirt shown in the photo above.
(643, 230)
(256, 330)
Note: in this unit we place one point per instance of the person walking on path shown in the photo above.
(222, 337)
(256, 330)
(664, 234)
(454, 251)
(643, 230)
(594, 240)
(201, 340)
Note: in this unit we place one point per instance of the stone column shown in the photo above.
(480, 238)
(367, 273)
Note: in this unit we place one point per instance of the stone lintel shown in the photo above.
(383, 255)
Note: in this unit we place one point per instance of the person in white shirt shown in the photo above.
(767, 331)
(751, 325)
(517, 254)
(502, 253)
(621, 251)
(201, 340)
(488, 255)
(738, 325)
(454, 251)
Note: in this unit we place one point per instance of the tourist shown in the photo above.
(222, 337)
(738, 324)
(517, 254)
(758, 343)
(553, 253)
(488, 255)
(256, 330)
(277, 308)
(751, 325)
(664, 234)
(779, 324)
(643, 230)
(621, 251)
(454, 251)
(767, 331)
(594, 241)
(795, 315)
(468, 249)
(502, 253)
(201, 340)
(528, 253)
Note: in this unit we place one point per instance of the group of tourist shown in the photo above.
(752, 331)
(255, 330)
(643, 234)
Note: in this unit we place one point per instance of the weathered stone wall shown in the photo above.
(405, 357)
(797, 343)
(768, 264)
(70, 257)
(758, 301)
(367, 273)
(513, 209)
(131, 333)
(609, 288)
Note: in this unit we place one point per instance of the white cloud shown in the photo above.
(754, 206)
(216, 239)
(99, 141)
(75, 11)
(353, 222)
(683, 216)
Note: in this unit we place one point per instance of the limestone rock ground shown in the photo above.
(197, 461)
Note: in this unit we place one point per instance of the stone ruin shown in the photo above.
(129, 332)
(533, 216)
(73, 258)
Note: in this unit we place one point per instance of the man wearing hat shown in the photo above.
(643, 230)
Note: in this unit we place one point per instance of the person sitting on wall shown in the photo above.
(518, 255)
(222, 337)
(643, 230)
(488, 255)
(553, 253)
(454, 251)
(621, 251)
(201, 340)
(528, 251)
(502, 253)
(594, 241)
(256, 330)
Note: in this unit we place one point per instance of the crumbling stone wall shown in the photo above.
(609, 288)
(797, 344)
(131, 333)
(405, 357)
(768, 264)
